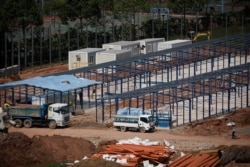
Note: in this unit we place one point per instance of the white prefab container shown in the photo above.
(112, 55)
(173, 44)
(129, 45)
(83, 57)
(149, 45)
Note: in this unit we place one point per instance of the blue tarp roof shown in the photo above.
(131, 111)
(60, 83)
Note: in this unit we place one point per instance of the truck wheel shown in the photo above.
(123, 129)
(142, 130)
(27, 123)
(52, 124)
(19, 123)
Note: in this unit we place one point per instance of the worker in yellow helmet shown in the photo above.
(6, 105)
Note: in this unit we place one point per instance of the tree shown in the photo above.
(54, 7)
(21, 14)
(107, 8)
(80, 9)
(235, 2)
(193, 6)
(130, 7)
(3, 29)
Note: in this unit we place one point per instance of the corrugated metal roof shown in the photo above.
(60, 83)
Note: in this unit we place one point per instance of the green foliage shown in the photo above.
(127, 26)
(107, 5)
(125, 11)
(54, 7)
(81, 9)
(3, 22)
(21, 13)
(130, 6)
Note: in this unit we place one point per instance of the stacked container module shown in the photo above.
(83, 57)
(174, 44)
(133, 46)
(112, 55)
(149, 45)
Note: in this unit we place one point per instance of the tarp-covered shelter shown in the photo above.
(40, 90)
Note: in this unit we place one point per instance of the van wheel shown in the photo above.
(52, 124)
(27, 123)
(142, 130)
(123, 129)
(19, 123)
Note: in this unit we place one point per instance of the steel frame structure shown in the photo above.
(186, 81)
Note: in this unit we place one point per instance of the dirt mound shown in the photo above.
(44, 70)
(15, 77)
(217, 126)
(38, 71)
(18, 150)
(4, 80)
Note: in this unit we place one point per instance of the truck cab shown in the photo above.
(147, 122)
(59, 112)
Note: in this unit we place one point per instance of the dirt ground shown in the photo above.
(39, 145)
(24, 147)
(38, 71)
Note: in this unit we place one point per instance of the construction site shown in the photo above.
(181, 86)
(189, 83)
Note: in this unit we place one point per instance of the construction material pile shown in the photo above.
(132, 152)
(189, 160)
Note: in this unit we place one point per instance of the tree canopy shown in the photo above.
(79, 9)
(21, 13)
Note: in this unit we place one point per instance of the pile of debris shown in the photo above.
(132, 152)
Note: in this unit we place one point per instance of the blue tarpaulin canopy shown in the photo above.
(60, 83)
(131, 111)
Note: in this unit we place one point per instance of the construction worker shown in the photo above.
(6, 105)
(233, 131)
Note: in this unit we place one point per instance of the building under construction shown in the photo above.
(186, 83)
